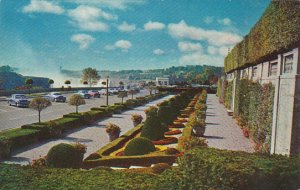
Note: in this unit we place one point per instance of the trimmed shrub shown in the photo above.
(208, 168)
(153, 128)
(139, 146)
(171, 151)
(5, 146)
(160, 168)
(64, 156)
(20, 137)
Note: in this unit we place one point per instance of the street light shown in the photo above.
(107, 90)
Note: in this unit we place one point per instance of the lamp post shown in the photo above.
(107, 90)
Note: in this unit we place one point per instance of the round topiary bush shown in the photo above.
(139, 146)
(64, 156)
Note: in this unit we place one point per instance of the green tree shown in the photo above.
(28, 83)
(50, 82)
(132, 92)
(90, 75)
(122, 95)
(67, 82)
(39, 104)
(76, 100)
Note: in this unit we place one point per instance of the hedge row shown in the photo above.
(277, 30)
(127, 161)
(208, 168)
(228, 87)
(254, 111)
(199, 168)
(119, 142)
(12, 139)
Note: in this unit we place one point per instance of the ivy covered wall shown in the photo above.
(278, 29)
(254, 111)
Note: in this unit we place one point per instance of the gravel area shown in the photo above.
(93, 136)
(222, 132)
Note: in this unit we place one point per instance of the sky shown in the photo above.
(39, 36)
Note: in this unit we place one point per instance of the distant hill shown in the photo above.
(151, 74)
(11, 80)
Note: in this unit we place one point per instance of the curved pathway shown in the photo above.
(222, 132)
(93, 136)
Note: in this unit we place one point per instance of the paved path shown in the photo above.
(94, 136)
(221, 130)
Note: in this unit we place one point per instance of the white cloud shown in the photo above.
(223, 51)
(158, 52)
(109, 47)
(88, 18)
(201, 59)
(212, 50)
(154, 26)
(123, 44)
(112, 4)
(83, 40)
(125, 27)
(42, 6)
(208, 19)
(189, 47)
(225, 21)
(213, 37)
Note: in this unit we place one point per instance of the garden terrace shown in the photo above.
(109, 155)
(15, 139)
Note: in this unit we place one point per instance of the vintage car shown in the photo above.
(103, 92)
(84, 94)
(94, 93)
(56, 97)
(18, 100)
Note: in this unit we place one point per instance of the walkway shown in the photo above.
(222, 132)
(93, 136)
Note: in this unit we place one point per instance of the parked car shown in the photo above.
(84, 94)
(103, 92)
(57, 97)
(95, 93)
(113, 90)
(18, 100)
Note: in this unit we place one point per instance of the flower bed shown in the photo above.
(177, 126)
(167, 140)
(173, 132)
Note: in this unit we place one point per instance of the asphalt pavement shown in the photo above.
(13, 117)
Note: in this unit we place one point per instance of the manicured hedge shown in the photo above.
(208, 168)
(277, 30)
(127, 161)
(199, 168)
(17, 138)
(254, 111)
(14, 177)
(119, 142)
(228, 94)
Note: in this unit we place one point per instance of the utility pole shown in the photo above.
(107, 90)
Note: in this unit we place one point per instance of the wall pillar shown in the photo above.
(286, 110)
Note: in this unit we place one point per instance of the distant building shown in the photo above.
(162, 81)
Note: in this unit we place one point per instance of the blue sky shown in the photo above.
(38, 36)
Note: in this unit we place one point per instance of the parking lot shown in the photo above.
(13, 117)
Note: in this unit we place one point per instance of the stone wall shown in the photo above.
(286, 110)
